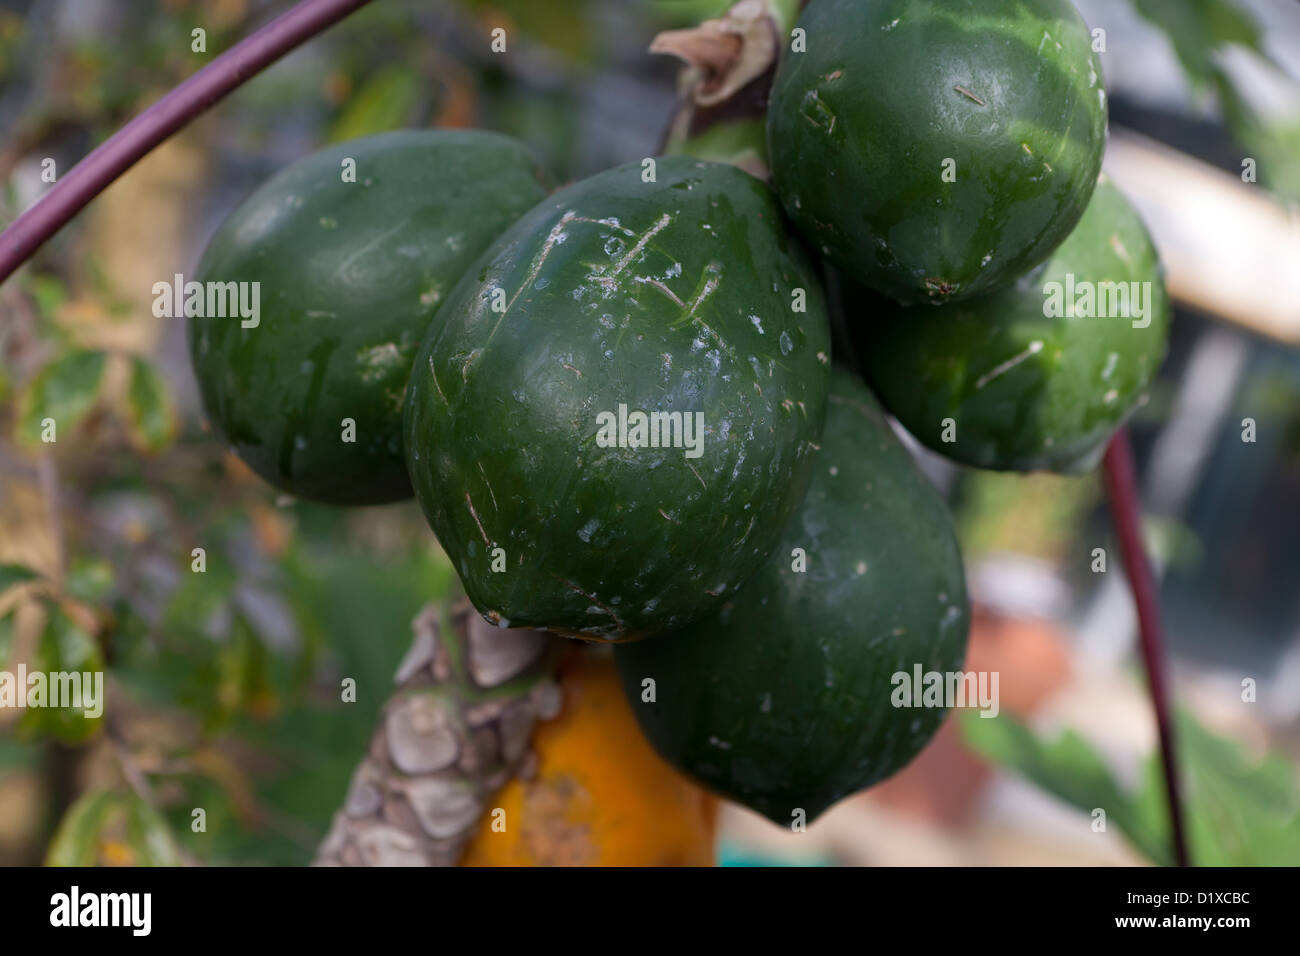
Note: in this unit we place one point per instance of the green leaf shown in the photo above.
(150, 415)
(1240, 811)
(1243, 810)
(149, 837)
(112, 827)
(65, 391)
(69, 659)
(49, 294)
(385, 102)
(1197, 28)
(76, 841)
(6, 636)
(89, 579)
(1274, 143)
(11, 574)
(1067, 768)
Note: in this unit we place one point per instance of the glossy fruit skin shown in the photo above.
(1024, 391)
(862, 127)
(673, 295)
(351, 274)
(782, 699)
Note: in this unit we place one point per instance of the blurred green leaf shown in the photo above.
(11, 574)
(150, 416)
(49, 294)
(112, 827)
(1244, 811)
(6, 636)
(88, 579)
(70, 658)
(65, 391)
(1197, 28)
(76, 841)
(385, 102)
(1273, 143)
(562, 25)
(1067, 768)
(1240, 811)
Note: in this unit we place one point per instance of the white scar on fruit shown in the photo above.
(1034, 348)
(609, 280)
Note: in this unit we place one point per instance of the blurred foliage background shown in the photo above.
(224, 687)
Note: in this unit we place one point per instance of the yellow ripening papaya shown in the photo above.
(600, 795)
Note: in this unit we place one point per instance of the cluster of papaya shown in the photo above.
(616, 402)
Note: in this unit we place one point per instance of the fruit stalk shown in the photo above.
(723, 90)
(457, 728)
(1121, 486)
(174, 111)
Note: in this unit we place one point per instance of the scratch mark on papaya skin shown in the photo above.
(488, 485)
(433, 374)
(605, 222)
(609, 280)
(618, 621)
(474, 514)
(697, 476)
(969, 95)
(656, 284)
(714, 272)
(575, 371)
(1034, 348)
(743, 537)
(347, 263)
(552, 239)
(469, 360)
(668, 517)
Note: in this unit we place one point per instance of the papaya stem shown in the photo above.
(1119, 475)
(456, 729)
(174, 111)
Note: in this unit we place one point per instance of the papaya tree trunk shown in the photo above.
(457, 728)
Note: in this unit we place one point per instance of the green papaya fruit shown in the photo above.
(1037, 376)
(786, 698)
(613, 416)
(350, 251)
(936, 149)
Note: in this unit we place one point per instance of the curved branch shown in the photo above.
(1121, 487)
(128, 145)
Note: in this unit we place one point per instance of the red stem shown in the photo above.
(128, 145)
(1121, 486)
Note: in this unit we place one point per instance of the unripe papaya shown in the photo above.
(1039, 375)
(350, 252)
(613, 417)
(785, 699)
(936, 149)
